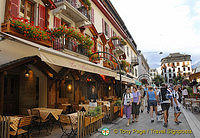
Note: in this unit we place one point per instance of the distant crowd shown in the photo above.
(159, 100)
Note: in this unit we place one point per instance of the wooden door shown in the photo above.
(11, 95)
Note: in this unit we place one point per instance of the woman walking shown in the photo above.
(136, 104)
(127, 100)
(152, 97)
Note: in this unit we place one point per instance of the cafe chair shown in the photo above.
(23, 127)
(68, 125)
(39, 122)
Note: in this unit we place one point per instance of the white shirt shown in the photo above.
(128, 98)
(175, 95)
(185, 92)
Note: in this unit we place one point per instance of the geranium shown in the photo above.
(24, 27)
(120, 39)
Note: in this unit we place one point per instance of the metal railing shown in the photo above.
(61, 44)
(75, 4)
(4, 126)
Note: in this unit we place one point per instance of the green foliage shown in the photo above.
(87, 2)
(178, 80)
(190, 91)
(25, 28)
(158, 80)
(118, 103)
(97, 111)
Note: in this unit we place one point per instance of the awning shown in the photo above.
(125, 79)
(11, 50)
(74, 64)
(138, 83)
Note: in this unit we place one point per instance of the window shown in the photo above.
(184, 69)
(188, 68)
(184, 74)
(127, 51)
(173, 69)
(177, 63)
(170, 75)
(136, 72)
(174, 75)
(179, 69)
(169, 70)
(27, 10)
(106, 29)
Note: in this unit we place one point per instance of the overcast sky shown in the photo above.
(162, 25)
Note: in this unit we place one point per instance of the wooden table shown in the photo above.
(45, 112)
(14, 121)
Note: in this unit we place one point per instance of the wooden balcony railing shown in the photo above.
(7, 28)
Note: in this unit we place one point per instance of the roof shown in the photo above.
(28, 60)
(176, 57)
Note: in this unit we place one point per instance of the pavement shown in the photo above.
(145, 129)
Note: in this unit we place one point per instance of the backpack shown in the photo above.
(165, 94)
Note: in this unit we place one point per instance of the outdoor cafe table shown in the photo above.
(14, 121)
(86, 106)
(45, 112)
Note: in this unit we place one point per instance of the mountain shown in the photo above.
(196, 65)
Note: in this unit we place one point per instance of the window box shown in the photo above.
(7, 28)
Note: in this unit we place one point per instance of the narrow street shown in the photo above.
(119, 129)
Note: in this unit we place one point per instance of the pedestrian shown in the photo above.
(184, 94)
(142, 100)
(93, 97)
(146, 100)
(153, 99)
(180, 94)
(136, 104)
(127, 101)
(176, 104)
(166, 99)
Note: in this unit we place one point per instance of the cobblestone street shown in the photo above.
(145, 125)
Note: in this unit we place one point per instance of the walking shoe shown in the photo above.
(165, 125)
(141, 111)
(179, 122)
(176, 122)
(133, 121)
(152, 121)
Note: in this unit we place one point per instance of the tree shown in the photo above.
(178, 80)
(158, 80)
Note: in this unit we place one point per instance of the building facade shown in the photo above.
(176, 64)
(143, 69)
(48, 52)
(153, 73)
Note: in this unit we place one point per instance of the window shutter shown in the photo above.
(108, 31)
(14, 8)
(103, 26)
(41, 21)
(57, 22)
(92, 15)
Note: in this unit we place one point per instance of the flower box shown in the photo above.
(7, 28)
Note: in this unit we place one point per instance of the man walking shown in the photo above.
(166, 98)
(176, 104)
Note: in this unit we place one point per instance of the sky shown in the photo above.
(166, 26)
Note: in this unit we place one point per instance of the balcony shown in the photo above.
(73, 10)
(134, 61)
(70, 47)
(7, 28)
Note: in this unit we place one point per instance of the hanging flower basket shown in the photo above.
(120, 39)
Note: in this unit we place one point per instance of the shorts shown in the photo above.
(176, 111)
(152, 103)
(165, 106)
(135, 108)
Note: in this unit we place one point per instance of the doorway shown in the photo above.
(11, 95)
